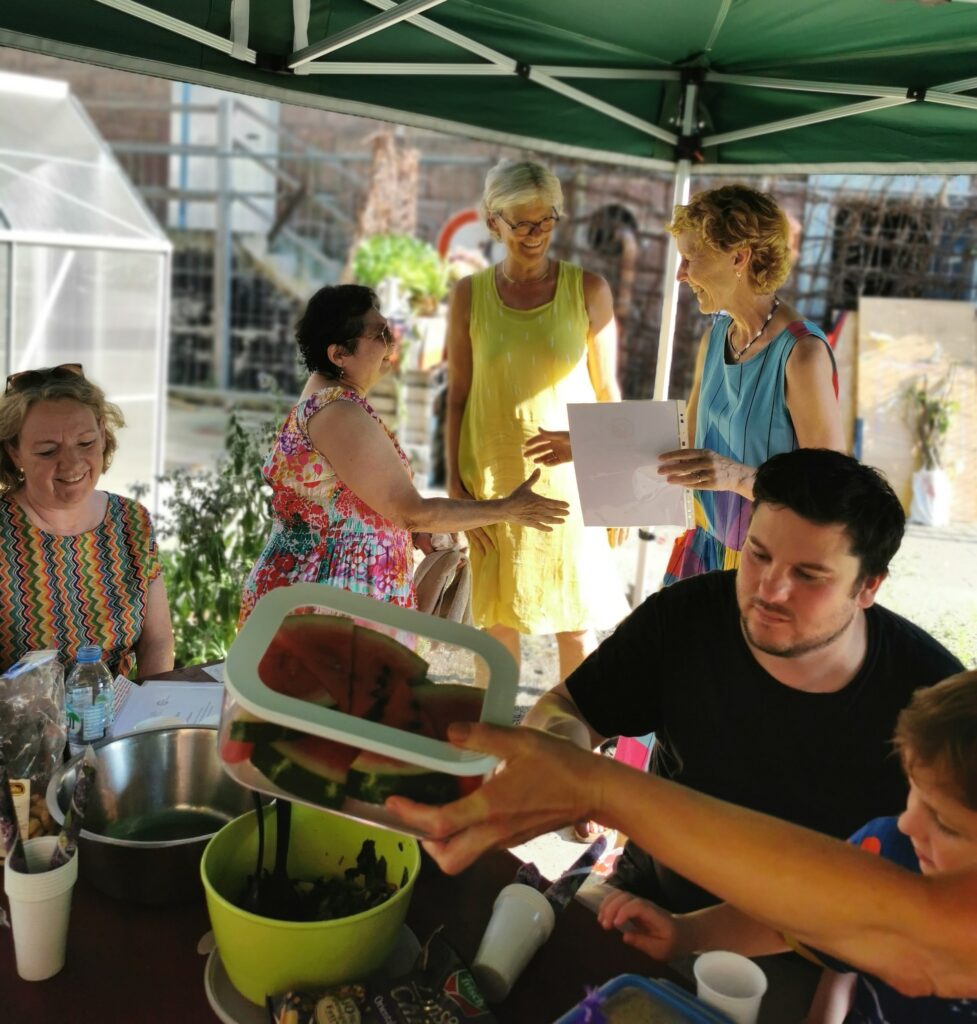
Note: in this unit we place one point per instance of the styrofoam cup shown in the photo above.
(730, 983)
(522, 920)
(40, 904)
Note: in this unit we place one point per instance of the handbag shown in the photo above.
(443, 583)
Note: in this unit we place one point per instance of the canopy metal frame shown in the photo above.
(690, 148)
(555, 78)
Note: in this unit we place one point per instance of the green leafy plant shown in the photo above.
(415, 264)
(213, 527)
(930, 412)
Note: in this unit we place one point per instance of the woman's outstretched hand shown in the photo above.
(549, 447)
(542, 783)
(526, 507)
(706, 470)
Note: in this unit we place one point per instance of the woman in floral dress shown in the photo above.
(343, 501)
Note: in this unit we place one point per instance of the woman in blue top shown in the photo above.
(765, 379)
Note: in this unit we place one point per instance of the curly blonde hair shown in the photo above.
(17, 402)
(515, 182)
(738, 217)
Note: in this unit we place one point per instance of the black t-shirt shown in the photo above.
(679, 667)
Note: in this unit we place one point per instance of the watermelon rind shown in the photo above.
(372, 778)
(290, 767)
(252, 730)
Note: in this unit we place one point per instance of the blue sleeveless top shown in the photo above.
(742, 414)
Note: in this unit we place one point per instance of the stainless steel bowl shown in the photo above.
(159, 796)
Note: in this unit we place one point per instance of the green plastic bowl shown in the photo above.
(263, 956)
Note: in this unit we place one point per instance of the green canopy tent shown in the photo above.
(721, 86)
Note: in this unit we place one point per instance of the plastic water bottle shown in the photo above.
(88, 698)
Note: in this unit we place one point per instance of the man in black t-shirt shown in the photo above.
(775, 686)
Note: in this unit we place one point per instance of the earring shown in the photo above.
(342, 373)
(739, 276)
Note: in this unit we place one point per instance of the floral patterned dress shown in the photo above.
(322, 532)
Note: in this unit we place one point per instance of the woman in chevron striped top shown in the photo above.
(78, 566)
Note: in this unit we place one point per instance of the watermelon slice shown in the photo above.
(373, 777)
(328, 660)
(245, 730)
(312, 768)
(440, 704)
(310, 658)
(374, 651)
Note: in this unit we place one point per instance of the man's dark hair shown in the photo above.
(830, 488)
(333, 316)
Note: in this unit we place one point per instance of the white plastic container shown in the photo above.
(266, 734)
(40, 905)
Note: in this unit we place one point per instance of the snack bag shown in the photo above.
(439, 988)
(33, 733)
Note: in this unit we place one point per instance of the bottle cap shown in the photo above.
(87, 654)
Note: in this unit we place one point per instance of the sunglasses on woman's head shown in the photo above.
(35, 378)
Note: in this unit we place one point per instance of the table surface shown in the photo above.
(129, 963)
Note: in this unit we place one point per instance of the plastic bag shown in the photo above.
(932, 495)
(33, 728)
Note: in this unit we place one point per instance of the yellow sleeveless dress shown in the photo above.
(527, 364)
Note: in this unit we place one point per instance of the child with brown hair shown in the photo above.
(936, 737)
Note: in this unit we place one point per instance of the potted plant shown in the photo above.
(930, 413)
(417, 267)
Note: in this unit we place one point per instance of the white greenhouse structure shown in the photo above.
(84, 268)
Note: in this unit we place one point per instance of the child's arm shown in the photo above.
(832, 998)
(664, 936)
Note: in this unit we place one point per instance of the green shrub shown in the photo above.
(421, 271)
(213, 527)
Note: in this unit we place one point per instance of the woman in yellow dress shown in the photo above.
(526, 337)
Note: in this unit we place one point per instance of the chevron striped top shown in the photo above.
(66, 592)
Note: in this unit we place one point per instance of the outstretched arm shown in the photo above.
(914, 931)
(361, 455)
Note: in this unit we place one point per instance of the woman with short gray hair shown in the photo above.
(526, 337)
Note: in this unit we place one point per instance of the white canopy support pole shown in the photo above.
(849, 110)
(392, 16)
(951, 100)
(961, 86)
(463, 70)
(301, 9)
(339, 67)
(666, 334)
(240, 27)
(180, 28)
(611, 74)
(533, 74)
(670, 287)
(615, 113)
(802, 85)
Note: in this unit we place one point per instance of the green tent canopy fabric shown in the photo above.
(733, 86)
(705, 86)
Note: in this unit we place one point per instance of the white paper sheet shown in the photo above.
(215, 671)
(615, 456)
(191, 703)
